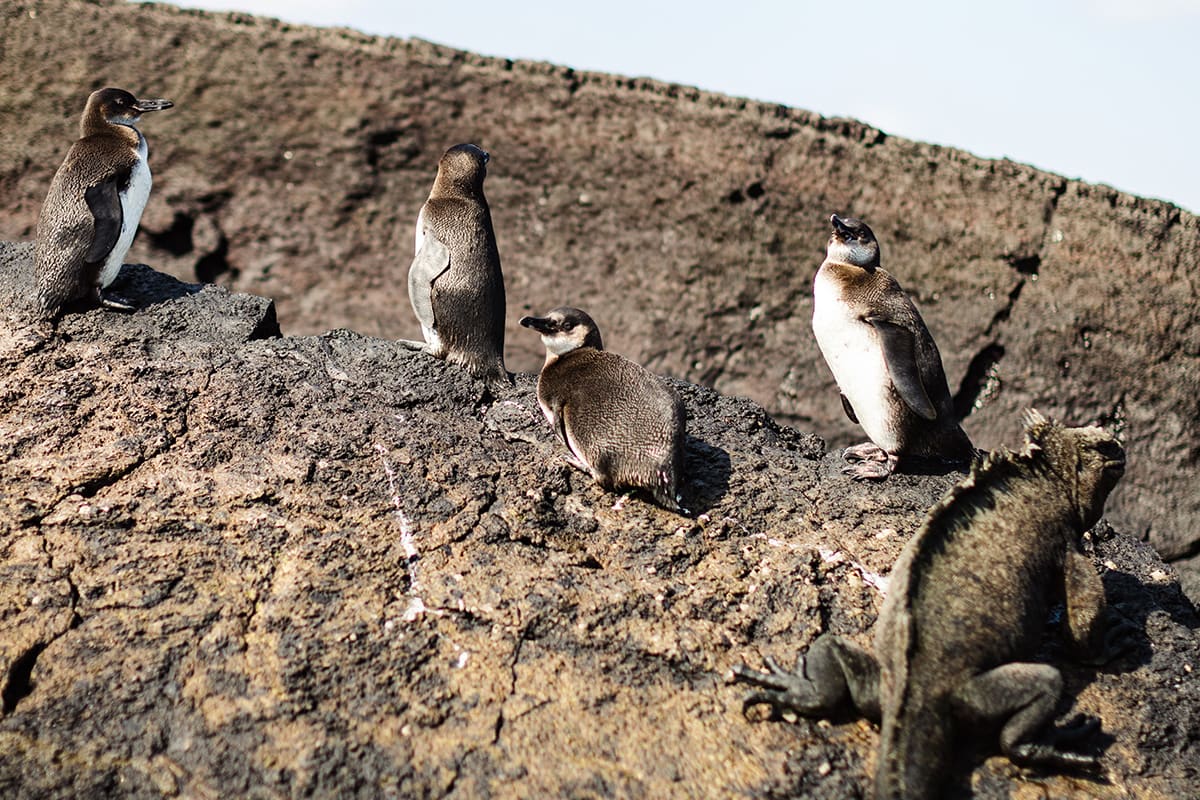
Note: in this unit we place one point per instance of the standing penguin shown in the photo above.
(621, 423)
(885, 362)
(455, 283)
(94, 204)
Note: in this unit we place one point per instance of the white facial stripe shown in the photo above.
(562, 342)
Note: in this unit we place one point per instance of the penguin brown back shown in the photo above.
(455, 283)
(620, 422)
(885, 361)
(94, 204)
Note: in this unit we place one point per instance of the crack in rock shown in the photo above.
(522, 635)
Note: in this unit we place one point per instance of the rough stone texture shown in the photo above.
(689, 224)
(327, 566)
(217, 545)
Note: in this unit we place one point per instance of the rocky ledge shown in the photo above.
(240, 564)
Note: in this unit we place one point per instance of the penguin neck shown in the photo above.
(553, 357)
(97, 125)
(870, 267)
(444, 187)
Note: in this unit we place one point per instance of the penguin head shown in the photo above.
(565, 329)
(464, 167)
(852, 242)
(119, 107)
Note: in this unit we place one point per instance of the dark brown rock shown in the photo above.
(329, 566)
(213, 540)
(689, 224)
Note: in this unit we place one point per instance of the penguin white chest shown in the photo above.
(133, 202)
(854, 353)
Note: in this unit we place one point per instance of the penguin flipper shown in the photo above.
(849, 409)
(899, 352)
(573, 457)
(104, 201)
(430, 262)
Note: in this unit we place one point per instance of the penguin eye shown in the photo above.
(568, 325)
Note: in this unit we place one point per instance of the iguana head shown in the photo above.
(1089, 461)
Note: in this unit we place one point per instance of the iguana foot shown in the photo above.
(1081, 726)
(1045, 755)
(1121, 636)
(785, 690)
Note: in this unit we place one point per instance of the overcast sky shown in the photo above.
(1103, 90)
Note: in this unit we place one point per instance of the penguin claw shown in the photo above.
(867, 471)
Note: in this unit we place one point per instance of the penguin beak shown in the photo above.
(152, 105)
(839, 225)
(543, 325)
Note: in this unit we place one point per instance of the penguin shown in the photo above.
(455, 284)
(620, 422)
(886, 365)
(94, 204)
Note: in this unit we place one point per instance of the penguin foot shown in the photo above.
(869, 462)
(116, 302)
(867, 471)
(867, 451)
(580, 464)
(409, 344)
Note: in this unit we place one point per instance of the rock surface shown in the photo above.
(689, 224)
(238, 564)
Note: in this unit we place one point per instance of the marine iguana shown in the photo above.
(966, 606)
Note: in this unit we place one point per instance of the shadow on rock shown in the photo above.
(706, 475)
(1143, 585)
(145, 287)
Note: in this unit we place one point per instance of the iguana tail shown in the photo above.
(914, 751)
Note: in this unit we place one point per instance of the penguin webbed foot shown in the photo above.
(501, 381)
(412, 344)
(578, 464)
(115, 302)
(869, 461)
(867, 471)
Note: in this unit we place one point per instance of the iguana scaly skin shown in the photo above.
(966, 606)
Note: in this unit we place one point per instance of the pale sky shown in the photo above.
(1103, 90)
